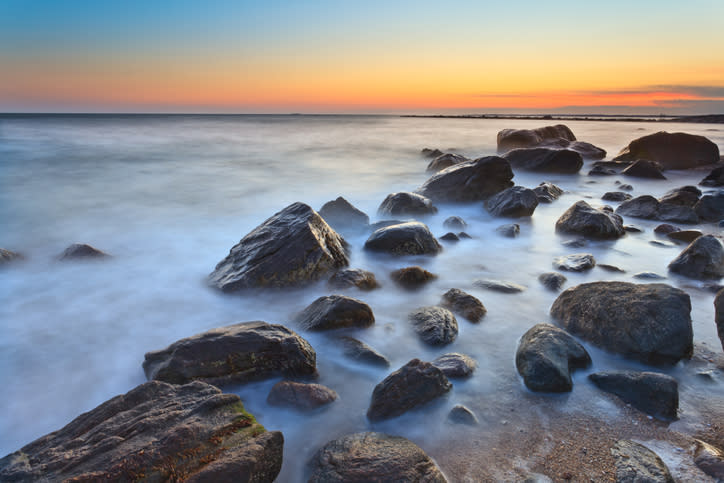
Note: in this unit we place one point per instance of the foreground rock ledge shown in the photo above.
(155, 432)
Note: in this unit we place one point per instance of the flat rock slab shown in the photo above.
(469, 181)
(361, 352)
(241, 352)
(155, 432)
(636, 463)
(463, 304)
(578, 262)
(703, 259)
(499, 286)
(582, 219)
(335, 312)
(455, 365)
(435, 325)
(410, 238)
(653, 393)
(367, 457)
(301, 396)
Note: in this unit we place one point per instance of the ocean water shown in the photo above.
(168, 196)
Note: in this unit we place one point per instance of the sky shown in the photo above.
(346, 56)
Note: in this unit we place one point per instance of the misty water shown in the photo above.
(168, 196)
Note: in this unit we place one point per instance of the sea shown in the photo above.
(168, 196)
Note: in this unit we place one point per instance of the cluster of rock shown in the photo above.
(681, 205)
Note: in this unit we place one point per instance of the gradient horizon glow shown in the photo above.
(341, 56)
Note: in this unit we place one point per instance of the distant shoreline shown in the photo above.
(705, 119)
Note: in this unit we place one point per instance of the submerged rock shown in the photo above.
(454, 223)
(464, 304)
(578, 262)
(406, 203)
(602, 171)
(341, 215)
(301, 396)
(545, 160)
(617, 196)
(715, 178)
(435, 325)
(7, 256)
(455, 365)
(412, 277)
(462, 415)
(513, 202)
(361, 352)
(499, 286)
(527, 138)
(552, 281)
(445, 161)
(411, 238)
(672, 150)
(703, 259)
(155, 432)
(653, 393)
(79, 251)
(510, 230)
(583, 219)
(719, 315)
(547, 192)
(431, 152)
(636, 463)
(354, 277)
(335, 312)
(666, 228)
(450, 237)
(643, 168)
(469, 181)
(650, 208)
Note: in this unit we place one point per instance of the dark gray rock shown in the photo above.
(464, 304)
(676, 213)
(341, 215)
(663, 244)
(648, 322)
(685, 196)
(643, 168)
(547, 192)
(617, 196)
(625, 187)
(155, 432)
(300, 396)
(633, 229)
(435, 325)
(610, 268)
(454, 223)
(292, 248)
(414, 384)
(499, 286)
(636, 463)
(578, 262)
(575, 243)
(552, 281)
(431, 152)
(686, 236)
(361, 352)
(406, 203)
(666, 228)
(703, 259)
(546, 356)
(514, 202)
(602, 171)
(648, 276)
(367, 457)
(510, 230)
(464, 236)
(354, 277)
(583, 219)
(711, 207)
(719, 315)
(655, 394)
(241, 352)
(672, 150)
(335, 312)
(710, 460)
(412, 277)
(526, 138)
(469, 181)
(7, 256)
(81, 251)
(545, 160)
(450, 237)
(462, 415)
(650, 208)
(715, 178)
(410, 238)
(455, 365)
(445, 161)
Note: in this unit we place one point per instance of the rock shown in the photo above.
(412, 277)
(469, 181)
(650, 208)
(513, 202)
(686, 236)
(611, 268)
(719, 315)
(354, 277)
(455, 365)
(575, 243)
(366, 457)
(499, 286)
(655, 394)
(463, 304)
(672, 150)
(361, 352)
(715, 178)
(406, 203)
(636, 463)
(684, 196)
(335, 312)
(676, 213)
(384, 224)
(341, 215)
(155, 432)
(7, 256)
(292, 248)
(81, 251)
(602, 171)
(703, 259)
(462, 415)
(510, 230)
(410, 238)
(648, 276)
(301, 396)
(546, 356)
(617, 196)
(633, 229)
(582, 219)
(527, 138)
(445, 161)
(587, 150)
(643, 168)
(464, 236)
(648, 322)
(665, 229)
(431, 153)
(545, 160)
(663, 244)
(237, 353)
(625, 187)
(435, 325)
(711, 207)
(710, 460)
(578, 262)
(552, 281)
(413, 385)
(454, 223)
(547, 192)
(450, 237)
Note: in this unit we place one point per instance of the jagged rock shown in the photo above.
(547, 192)
(412, 277)
(361, 352)
(513, 202)
(686, 236)
(710, 460)
(455, 365)
(545, 160)
(7, 256)
(552, 281)
(703, 259)
(431, 153)
(241, 352)
(445, 161)
(655, 394)
(411, 238)
(719, 315)
(341, 215)
(462, 415)
(81, 251)
(578, 262)
(293, 247)
(583, 219)
(499, 286)
(335, 312)
(636, 463)
(463, 304)
(454, 223)
(672, 150)
(354, 277)
(510, 230)
(435, 325)
(406, 203)
(715, 178)
(301, 396)
(643, 168)
(617, 196)
(413, 385)
(469, 181)
(711, 207)
(155, 432)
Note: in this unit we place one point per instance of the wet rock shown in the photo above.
(546, 356)
(455, 365)
(672, 150)
(7, 256)
(578, 262)
(341, 215)
(547, 192)
(412, 277)
(527, 138)
(410, 238)
(633, 229)
(602, 171)
(406, 203)
(463, 304)
(510, 230)
(719, 315)
(710, 460)
(575, 243)
(301, 396)
(462, 415)
(684, 196)
(663, 244)
(650, 208)
(454, 223)
(636, 463)
(665, 229)
(552, 281)
(583, 219)
(715, 178)
(354, 277)
(676, 213)
(655, 394)
(648, 322)
(545, 160)
(237, 353)
(686, 236)
(384, 224)
(469, 181)
(643, 168)
(366, 457)
(81, 251)
(335, 312)
(431, 152)
(499, 286)
(450, 237)
(292, 248)
(155, 432)
(445, 161)
(625, 187)
(611, 268)
(414, 384)
(514, 202)
(703, 259)
(648, 276)
(711, 207)
(617, 196)
(435, 325)
(361, 352)
(464, 236)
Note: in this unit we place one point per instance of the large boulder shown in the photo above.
(672, 150)
(406, 203)
(514, 202)
(241, 352)
(703, 259)
(582, 219)
(366, 457)
(647, 322)
(300, 396)
(445, 161)
(464, 304)
(651, 392)
(293, 247)
(410, 238)
(335, 312)
(469, 181)
(636, 463)
(546, 357)
(155, 432)
(719, 315)
(341, 215)
(711, 207)
(435, 325)
(545, 160)
(414, 384)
